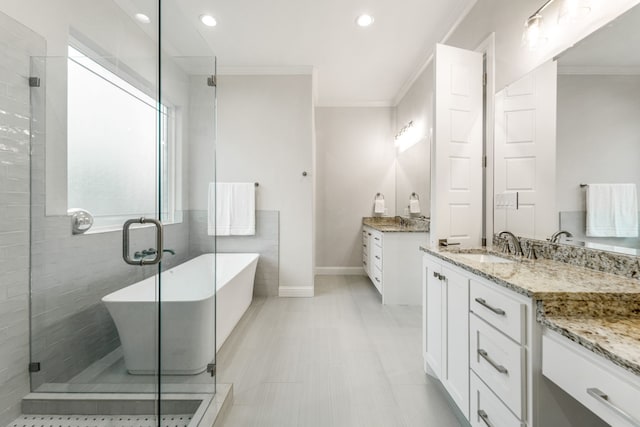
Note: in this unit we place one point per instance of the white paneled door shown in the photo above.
(525, 154)
(457, 149)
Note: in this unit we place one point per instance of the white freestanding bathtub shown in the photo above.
(188, 306)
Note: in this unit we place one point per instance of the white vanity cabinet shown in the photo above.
(482, 341)
(446, 318)
(392, 262)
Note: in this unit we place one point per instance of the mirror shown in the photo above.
(568, 124)
(413, 177)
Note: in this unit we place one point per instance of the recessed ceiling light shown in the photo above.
(364, 20)
(208, 20)
(141, 17)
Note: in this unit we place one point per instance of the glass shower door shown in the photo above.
(188, 291)
(121, 132)
(95, 155)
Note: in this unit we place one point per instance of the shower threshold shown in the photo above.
(123, 410)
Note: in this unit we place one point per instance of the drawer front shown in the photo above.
(584, 376)
(505, 313)
(487, 409)
(376, 278)
(499, 362)
(376, 256)
(376, 238)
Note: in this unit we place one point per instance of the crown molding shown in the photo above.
(295, 70)
(354, 104)
(598, 71)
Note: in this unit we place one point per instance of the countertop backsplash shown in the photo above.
(594, 259)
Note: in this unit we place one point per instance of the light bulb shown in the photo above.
(208, 20)
(534, 34)
(571, 10)
(364, 20)
(142, 18)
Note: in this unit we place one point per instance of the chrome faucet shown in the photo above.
(151, 251)
(555, 237)
(514, 240)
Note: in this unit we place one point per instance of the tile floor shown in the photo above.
(338, 359)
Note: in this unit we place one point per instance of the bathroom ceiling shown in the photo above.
(355, 66)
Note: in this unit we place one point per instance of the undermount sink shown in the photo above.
(489, 258)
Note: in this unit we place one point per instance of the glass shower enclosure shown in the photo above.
(120, 122)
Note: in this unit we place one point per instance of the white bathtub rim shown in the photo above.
(111, 297)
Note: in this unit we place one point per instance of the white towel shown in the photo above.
(235, 209)
(414, 206)
(612, 210)
(378, 206)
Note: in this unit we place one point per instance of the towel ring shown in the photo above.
(414, 196)
(379, 196)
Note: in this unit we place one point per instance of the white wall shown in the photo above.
(413, 171)
(265, 135)
(598, 134)
(355, 160)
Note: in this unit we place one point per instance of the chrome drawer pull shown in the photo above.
(377, 257)
(484, 417)
(604, 399)
(483, 303)
(377, 280)
(497, 367)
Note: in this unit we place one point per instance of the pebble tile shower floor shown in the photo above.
(99, 421)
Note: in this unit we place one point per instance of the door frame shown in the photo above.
(488, 48)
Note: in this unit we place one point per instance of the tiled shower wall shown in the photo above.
(16, 45)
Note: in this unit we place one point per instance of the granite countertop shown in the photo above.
(615, 338)
(597, 310)
(544, 279)
(397, 224)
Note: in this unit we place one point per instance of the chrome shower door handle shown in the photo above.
(159, 241)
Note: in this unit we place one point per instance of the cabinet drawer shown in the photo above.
(584, 375)
(485, 404)
(376, 278)
(499, 362)
(376, 256)
(376, 238)
(500, 310)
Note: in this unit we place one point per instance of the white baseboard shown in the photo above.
(340, 271)
(295, 291)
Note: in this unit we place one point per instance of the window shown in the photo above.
(113, 156)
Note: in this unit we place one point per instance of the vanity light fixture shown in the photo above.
(534, 31)
(208, 20)
(364, 20)
(142, 18)
(407, 137)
